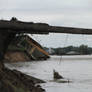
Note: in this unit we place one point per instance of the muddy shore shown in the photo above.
(16, 81)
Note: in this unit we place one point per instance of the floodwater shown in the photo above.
(77, 69)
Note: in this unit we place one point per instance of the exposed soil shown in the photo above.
(16, 56)
(15, 81)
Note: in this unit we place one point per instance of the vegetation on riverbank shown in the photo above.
(70, 50)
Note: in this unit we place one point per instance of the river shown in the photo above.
(77, 69)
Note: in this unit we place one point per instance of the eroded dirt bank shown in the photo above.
(15, 81)
(16, 56)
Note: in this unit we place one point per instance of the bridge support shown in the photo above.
(5, 39)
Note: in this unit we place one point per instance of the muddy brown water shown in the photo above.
(77, 69)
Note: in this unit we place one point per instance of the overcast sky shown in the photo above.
(76, 13)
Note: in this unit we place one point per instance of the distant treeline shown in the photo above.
(70, 50)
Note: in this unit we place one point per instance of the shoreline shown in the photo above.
(16, 81)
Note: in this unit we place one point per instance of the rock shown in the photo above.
(57, 75)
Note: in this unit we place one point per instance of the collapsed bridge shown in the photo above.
(9, 29)
(13, 80)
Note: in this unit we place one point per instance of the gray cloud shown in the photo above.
(75, 13)
(42, 5)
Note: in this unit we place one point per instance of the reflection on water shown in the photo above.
(78, 69)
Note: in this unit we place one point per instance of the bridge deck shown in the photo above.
(39, 28)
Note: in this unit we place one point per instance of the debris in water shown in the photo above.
(56, 75)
